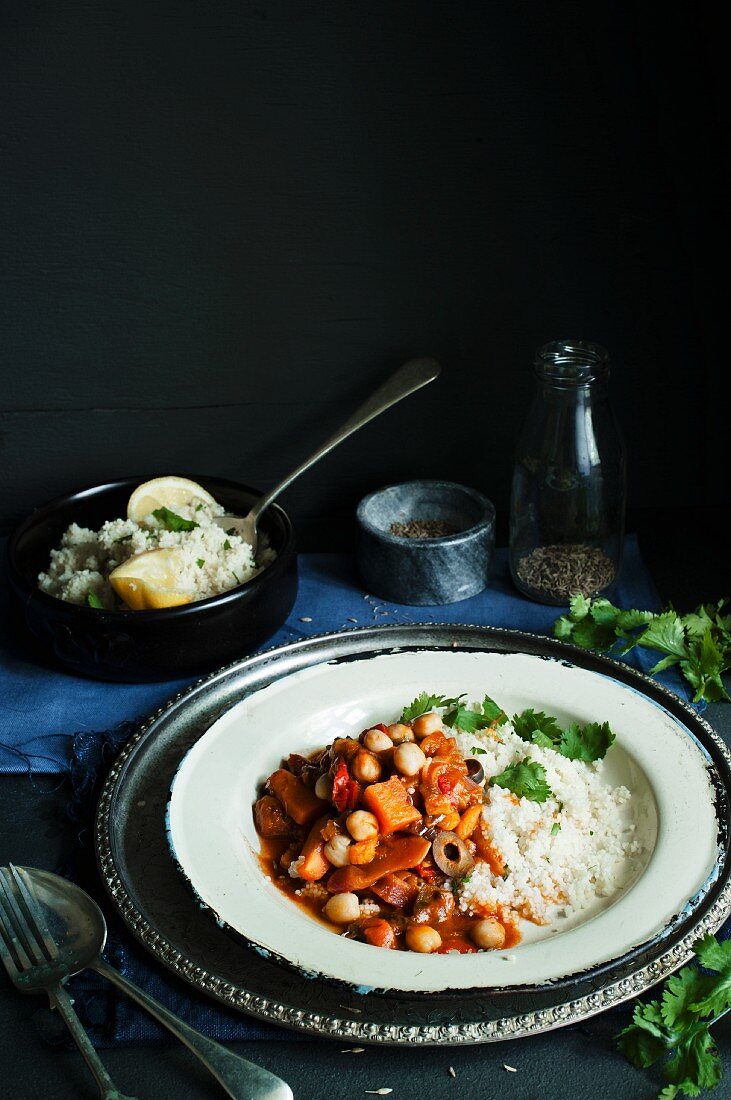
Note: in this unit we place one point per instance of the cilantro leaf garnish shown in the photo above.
(699, 642)
(587, 743)
(555, 828)
(477, 751)
(675, 1026)
(425, 702)
(200, 562)
(93, 601)
(464, 718)
(491, 710)
(226, 545)
(526, 779)
(171, 521)
(537, 728)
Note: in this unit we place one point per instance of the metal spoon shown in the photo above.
(407, 379)
(77, 925)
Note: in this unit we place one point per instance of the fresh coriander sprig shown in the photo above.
(699, 642)
(526, 779)
(463, 718)
(587, 743)
(674, 1027)
(423, 703)
(93, 601)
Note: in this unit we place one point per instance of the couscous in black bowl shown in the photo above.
(138, 646)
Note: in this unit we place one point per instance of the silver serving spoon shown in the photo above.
(407, 379)
(77, 925)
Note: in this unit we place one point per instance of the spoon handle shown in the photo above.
(242, 1080)
(407, 379)
(61, 1001)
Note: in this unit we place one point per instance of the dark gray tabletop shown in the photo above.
(580, 1063)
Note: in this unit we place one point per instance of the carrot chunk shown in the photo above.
(432, 742)
(363, 851)
(391, 805)
(312, 864)
(468, 822)
(302, 805)
(379, 933)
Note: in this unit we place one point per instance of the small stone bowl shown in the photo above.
(425, 571)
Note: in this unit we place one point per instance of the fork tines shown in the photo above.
(23, 928)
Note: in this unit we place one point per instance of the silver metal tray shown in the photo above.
(157, 906)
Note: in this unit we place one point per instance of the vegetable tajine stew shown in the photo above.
(379, 835)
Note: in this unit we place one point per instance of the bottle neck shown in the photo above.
(571, 365)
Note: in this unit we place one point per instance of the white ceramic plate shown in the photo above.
(673, 806)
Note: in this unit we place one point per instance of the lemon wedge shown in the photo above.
(150, 580)
(165, 492)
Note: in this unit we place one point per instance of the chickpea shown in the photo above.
(377, 741)
(488, 934)
(423, 938)
(324, 787)
(342, 908)
(408, 758)
(366, 767)
(361, 825)
(336, 850)
(426, 724)
(399, 732)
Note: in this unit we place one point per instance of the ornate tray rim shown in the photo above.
(562, 1014)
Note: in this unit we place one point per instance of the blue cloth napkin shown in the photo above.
(41, 709)
(54, 722)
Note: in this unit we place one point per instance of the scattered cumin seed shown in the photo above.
(509, 1069)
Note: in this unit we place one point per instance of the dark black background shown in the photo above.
(223, 223)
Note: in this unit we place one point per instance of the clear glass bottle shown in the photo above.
(568, 495)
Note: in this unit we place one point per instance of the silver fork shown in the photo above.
(30, 957)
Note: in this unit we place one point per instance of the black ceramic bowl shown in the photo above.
(138, 646)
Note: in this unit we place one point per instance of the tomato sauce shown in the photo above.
(383, 832)
(454, 931)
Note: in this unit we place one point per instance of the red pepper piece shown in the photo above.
(345, 789)
(445, 785)
(427, 872)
